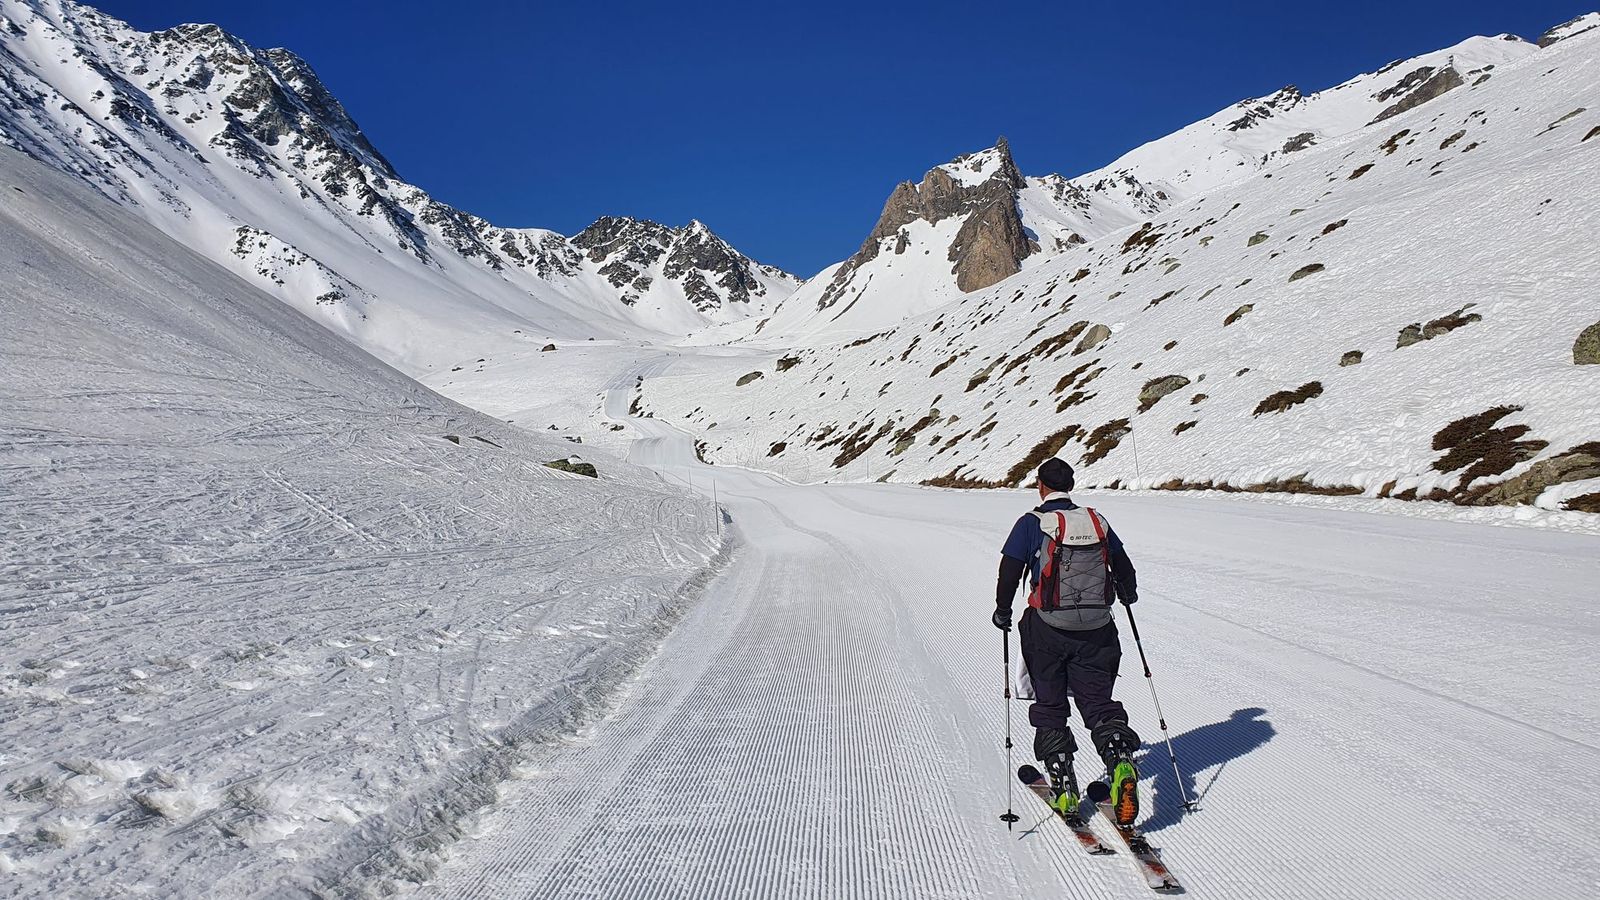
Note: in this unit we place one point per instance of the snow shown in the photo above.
(1579, 25)
(1207, 155)
(828, 720)
(1060, 213)
(363, 231)
(261, 616)
(281, 620)
(975, 168)
(1471, 204)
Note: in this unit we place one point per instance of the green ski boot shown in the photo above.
(1064, 785)
(1125, 792)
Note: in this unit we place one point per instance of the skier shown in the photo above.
(1069, 639)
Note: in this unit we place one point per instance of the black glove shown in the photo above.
(1002, 619)
(1128, 599)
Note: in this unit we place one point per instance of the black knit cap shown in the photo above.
(1056, 475)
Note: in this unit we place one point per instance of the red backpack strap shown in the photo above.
(1047, 566)
(1105, 554)
(1100, 532)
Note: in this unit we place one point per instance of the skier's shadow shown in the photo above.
(1209, 747)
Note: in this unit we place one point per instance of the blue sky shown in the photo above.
(784, 127)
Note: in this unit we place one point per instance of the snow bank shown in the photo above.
(271, 609)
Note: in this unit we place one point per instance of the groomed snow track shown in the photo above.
(1368, 705)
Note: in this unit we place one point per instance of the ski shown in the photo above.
(1087, 839)
(1147, 858)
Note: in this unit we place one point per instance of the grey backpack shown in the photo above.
(1075, 591)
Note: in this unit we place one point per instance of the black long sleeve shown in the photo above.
(1122, 574)
(1006, 585)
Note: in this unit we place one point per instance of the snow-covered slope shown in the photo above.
(1398, 310)
(244, 156)
(976, 220)
(272, 615)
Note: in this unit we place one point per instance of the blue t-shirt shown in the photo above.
(1026, 538)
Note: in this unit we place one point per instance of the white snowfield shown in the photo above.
(278, 621)
(272, 615)
(242, 154)
(1321, 323)
(1366, 706)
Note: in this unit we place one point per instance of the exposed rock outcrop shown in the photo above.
(700, 261)
(1094, 337)
(1570, 28)
(1156, 388)
(989, 247)
(979, 187)
(1586, 349)
(1419, 87)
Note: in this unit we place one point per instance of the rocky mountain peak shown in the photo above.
(981, 189)
(1262, 108)
(633, 254)
(1570, 28)
(994, 163)
(133, 113)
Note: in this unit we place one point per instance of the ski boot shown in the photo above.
(1054, 747)
(1117, 744)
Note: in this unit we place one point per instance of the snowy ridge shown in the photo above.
(270, 604)
(905, 270)
(1267, 131)
(205, 135)
(1319, 325)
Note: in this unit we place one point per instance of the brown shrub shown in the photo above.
(1041, 451)
(1281, 400)
(952, 480)
(1073, 399)
(858, 443)
(1392, 144)
(1143, 239)
(1185, 426)
(1047, 346)
(1472, 442)
(1070, 377)
(1157, 301)
(1464, 428)
(1105, 439)
(1300, 485)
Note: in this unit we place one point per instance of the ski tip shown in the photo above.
(1028, 774)
(1098, 792)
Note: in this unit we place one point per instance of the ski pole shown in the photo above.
(1008, 817)
(1160, 716)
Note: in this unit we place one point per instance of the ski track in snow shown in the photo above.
(1367, 705)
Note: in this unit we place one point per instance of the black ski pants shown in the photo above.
(1085, 661)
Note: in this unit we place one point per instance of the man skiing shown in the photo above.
(1076, 566)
